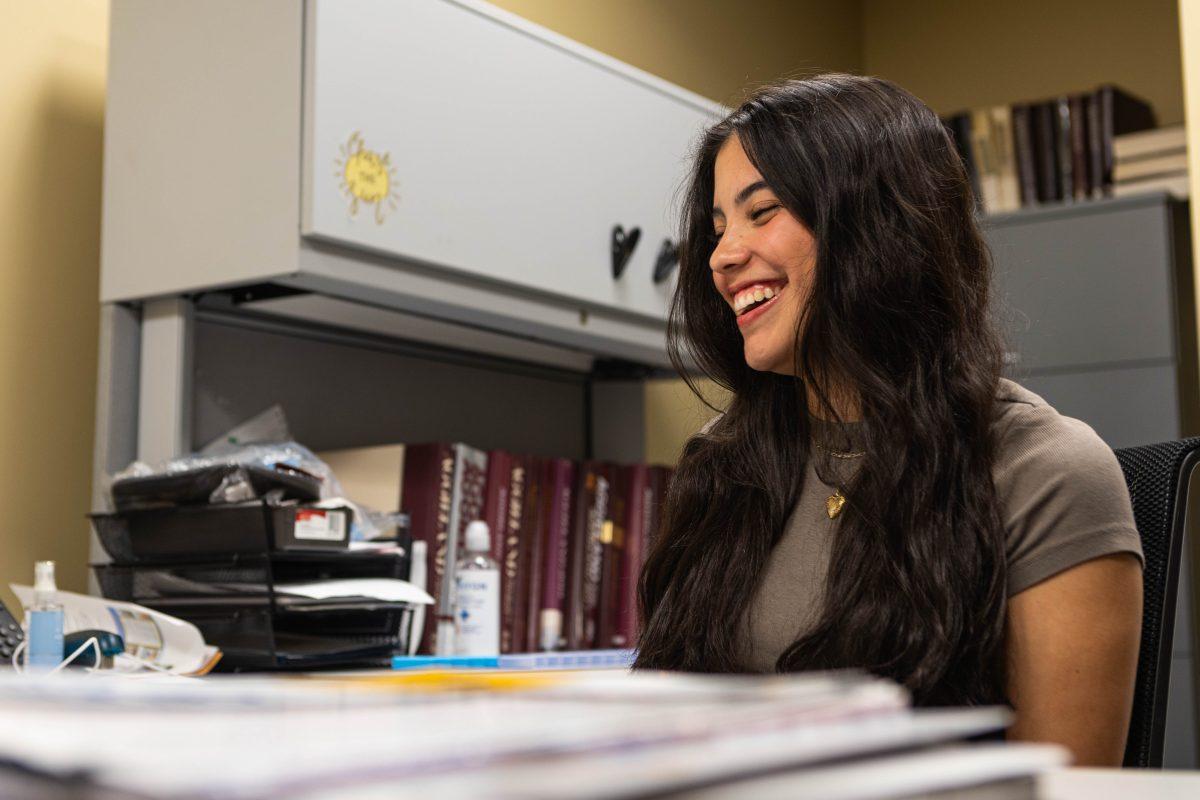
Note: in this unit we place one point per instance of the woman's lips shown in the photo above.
(753, 314)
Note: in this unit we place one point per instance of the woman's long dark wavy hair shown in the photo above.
(899, 319)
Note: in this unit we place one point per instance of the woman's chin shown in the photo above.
(762, 360)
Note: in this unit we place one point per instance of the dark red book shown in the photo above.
(638, 495)
(557, 505)
(495, 503)
(427, 486)
(529, 578)
(513, 601)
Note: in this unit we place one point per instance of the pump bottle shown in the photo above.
(477, 597)
(45, 621)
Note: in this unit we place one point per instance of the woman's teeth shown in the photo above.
(750, 297)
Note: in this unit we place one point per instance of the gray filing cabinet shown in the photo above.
(1096, 301)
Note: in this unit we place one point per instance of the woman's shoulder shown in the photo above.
(1026, 427)
(1062, 494)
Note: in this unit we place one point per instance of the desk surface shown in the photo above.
(1064, 784)
(1114, 784)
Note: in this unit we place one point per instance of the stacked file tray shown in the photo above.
(249, 576)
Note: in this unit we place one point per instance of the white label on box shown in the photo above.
(325, 526)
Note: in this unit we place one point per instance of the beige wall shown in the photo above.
(957, 55)
(52, 69)
(717, 48)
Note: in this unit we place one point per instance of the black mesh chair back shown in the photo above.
(1158, 476)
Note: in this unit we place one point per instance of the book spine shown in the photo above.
(531, 546)
(638, 496)
(1023, 144)
(428, 482)
(599, 528)
(512, 597)
(1007, 180)
(585, 490)
(557, 534)
(1062, 142)
(1045, 152)
(495, 504)
(1095, 136)
(612, 540)
(983, 148)
(1080, 189)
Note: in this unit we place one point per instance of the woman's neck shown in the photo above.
(839, 405)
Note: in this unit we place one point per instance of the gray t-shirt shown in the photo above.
(1062, 498)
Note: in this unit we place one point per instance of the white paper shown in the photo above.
(238, 738)
(387, 589)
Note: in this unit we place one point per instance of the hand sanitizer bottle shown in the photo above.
(45, 622)
(477, 597)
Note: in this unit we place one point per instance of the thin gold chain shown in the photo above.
(836, 454)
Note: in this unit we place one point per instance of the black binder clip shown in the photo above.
(622, 248)
(667, 260)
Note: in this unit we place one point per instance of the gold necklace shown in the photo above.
(837, 501)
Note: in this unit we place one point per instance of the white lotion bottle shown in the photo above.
(477, 597)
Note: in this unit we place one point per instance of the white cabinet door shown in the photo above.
(450, 133)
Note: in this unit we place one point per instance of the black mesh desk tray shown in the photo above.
(241, 603)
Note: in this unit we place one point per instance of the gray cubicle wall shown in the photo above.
(1096, 303)
(1088, 297)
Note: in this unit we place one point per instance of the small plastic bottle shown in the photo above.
(45, 622)
(477, 597)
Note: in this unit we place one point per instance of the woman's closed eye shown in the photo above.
(761, 214)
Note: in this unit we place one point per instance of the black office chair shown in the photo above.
(1158, 477)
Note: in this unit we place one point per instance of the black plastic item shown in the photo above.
(623, 243)
(666, 261)
(196, 486)
(241, 605)
(198, 532)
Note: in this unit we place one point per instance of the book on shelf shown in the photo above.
(1150, 166)
(1054, 150)
(529, 580)
(558, 503)
(1155, 142)
(570, 538)
(443, 490)
(1176, 185)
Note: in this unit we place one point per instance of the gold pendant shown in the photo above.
(834, 503)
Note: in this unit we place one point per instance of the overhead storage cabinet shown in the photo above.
(432, 157)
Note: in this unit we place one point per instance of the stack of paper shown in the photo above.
(492, 734)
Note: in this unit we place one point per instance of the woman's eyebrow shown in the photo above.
(742, 196)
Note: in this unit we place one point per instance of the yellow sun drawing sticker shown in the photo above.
(367, 177)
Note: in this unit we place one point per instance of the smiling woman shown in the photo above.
(876, 495)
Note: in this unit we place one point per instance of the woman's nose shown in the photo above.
(731, 252)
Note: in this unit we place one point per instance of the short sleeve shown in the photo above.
(1063, 497)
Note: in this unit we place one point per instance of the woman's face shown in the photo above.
(763, 263)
